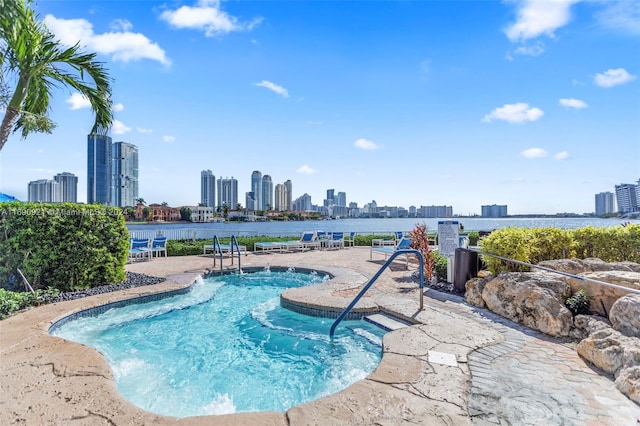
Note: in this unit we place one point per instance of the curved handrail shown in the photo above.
(375, 277)
(216, 243)
(234, 244)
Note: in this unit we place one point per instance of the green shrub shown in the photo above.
(12, 301)
(65, 246)
(441, 268)
(579, 303)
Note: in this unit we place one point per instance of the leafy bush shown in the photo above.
(534, 245)
(441, 268)
(12, 301)
(579, 303)
(65, 246)
(420, 241)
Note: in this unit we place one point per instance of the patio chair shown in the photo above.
(350, 240)
(158, 246)
(337, 240)
(306, 241)
(403, 244)
(139, 249)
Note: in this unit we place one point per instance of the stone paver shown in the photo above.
(504, 373)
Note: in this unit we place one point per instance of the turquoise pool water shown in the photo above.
(227, 346)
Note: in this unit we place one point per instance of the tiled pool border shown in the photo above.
(100, 309)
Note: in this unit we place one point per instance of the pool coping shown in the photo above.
(51, 380)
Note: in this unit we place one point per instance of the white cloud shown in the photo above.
(573, 103)
(168, 139)
(120, 45)
(538, 17)
(119, 128)
(121, 25)
(143, 130)
(306, 170)
(534, 153)
(533, 50)
(613, 77)
(514, 113)
(78, 101)
(620, 16)
(365, 144)
(563, 155)
(117, 107)
(207, 16)
(274, 88)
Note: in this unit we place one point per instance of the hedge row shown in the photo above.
(533, 245)
(64, 246)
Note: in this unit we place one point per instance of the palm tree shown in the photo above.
(37, 63)
(140, 201)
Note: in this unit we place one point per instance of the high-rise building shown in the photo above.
(267, 193)
(207, 188)
(125, 174)
(604, 203)
(45, 191)
(494, 211)
(69, 186)
(256, 188)
(302, 203)
(288, 195)
(99, 169)
(228, 192)
(627, 198)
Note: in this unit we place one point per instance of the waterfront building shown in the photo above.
(250, 201)
(207, 188)
(228, 192)
(604, 203)
(435, 211)
(302, 203)
(202, 214)
(627, 198)
(45, 191)
(256, 189)
(288, 195)
(99, 169)
(69, 184)
(267, 193)
(494, 210)
(125, 174)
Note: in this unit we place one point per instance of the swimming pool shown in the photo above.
(227, 346)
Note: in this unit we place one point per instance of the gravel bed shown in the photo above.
(442, 286)
(132, 280)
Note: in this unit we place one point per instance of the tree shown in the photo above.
(36, 63)
(164, 204)
(140, 201)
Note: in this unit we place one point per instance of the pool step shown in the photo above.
(386, 322)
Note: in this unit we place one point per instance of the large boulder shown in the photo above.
(625, 315)
(473, 292)
(603, 297)
(533, 299)
(616, 354)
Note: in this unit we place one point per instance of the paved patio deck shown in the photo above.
(502, 374)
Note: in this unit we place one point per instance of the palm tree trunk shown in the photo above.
(10, 117)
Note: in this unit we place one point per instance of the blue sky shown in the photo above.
(533, 104)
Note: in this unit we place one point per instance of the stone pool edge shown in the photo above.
(49, 380)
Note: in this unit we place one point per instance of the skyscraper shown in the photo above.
(604, 203)
(69, 186)
(627, 198)
(267, 193)
(256, 188)
(228, 192)
(125, 174)
(288, 195)
(208, 188)
(45, 191)
(99, 171)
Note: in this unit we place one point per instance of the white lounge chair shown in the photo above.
(404, 243)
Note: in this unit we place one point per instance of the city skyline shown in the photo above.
(532, 105)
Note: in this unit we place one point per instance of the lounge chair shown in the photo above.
(139, 249)
(268, 246)
(306, 241)
(158, 246)
(224, 249)
(403, 244)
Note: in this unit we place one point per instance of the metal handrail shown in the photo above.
(375, 277)
(216, 243)
(566, 274)
(234, 244)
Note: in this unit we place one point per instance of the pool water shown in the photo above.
(227, 346)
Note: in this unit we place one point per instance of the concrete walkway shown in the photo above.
(457, 365)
